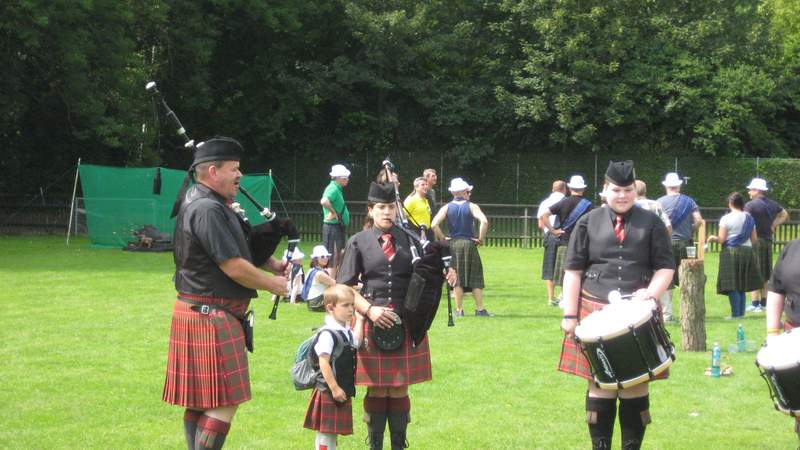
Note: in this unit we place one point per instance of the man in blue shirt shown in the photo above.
(768, 215)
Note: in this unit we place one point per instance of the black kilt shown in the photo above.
(679, 253)
(549, 261)
(763, 250)
(558, 268)
(738, 270)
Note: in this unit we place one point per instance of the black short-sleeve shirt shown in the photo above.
(207, 233)
(608, 264)
(562, 210)
(785, 280)
(764, 210)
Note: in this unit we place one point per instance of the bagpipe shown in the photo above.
(431, 260)
(263, 239)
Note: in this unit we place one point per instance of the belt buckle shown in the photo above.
(205, 309)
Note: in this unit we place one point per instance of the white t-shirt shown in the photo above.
(733, 222)
(551, 200)
(324, 344)
(316, 288)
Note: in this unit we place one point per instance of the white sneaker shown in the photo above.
(751, 308)
(758, 309)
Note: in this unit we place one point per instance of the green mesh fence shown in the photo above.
(120, 200)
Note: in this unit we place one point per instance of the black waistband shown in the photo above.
(207, 308)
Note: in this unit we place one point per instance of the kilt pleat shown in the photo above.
(558, 267)
(467, 263)
(738, 270)
(207, 360)
(407, 365)
(763, 251)
(572, 360)
(549, 260)
(326, 415)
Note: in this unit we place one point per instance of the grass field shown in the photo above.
(85, 331)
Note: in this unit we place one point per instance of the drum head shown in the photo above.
(614, 320)
(783, 352)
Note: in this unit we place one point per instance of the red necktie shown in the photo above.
(619, 230)
(387, 246)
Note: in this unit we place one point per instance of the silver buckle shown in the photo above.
(205, 309)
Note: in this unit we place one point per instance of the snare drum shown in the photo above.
(625, 343)
(779, 364)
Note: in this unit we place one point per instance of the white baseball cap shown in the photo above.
(576, 182)
(458, 185)
(319, 251)
(758, 184)
(672, 180)
(339, 171)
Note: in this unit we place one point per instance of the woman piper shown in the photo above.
(380, 257)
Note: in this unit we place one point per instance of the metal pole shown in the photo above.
(758, 166)
(517, 195)
(72, 204)
(596, 192)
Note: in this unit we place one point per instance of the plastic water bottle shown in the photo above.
(715, 356)
(740, 342)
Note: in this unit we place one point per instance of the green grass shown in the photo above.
(85, 331)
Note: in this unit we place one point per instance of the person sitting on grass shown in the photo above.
(318, 278)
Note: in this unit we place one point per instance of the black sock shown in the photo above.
(190, 418)
(600, 415)
(375, 414)
(399, 416)
(634, 415)
(763, 303)
(756, 302)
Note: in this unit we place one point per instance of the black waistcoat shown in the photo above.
(611, 265)
(344, 369)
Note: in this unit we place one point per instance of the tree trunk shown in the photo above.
(693, 306)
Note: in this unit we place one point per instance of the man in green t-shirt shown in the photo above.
(336, 217)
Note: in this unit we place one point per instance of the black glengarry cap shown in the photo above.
(621, 173)
(381, 193)
(218, 149)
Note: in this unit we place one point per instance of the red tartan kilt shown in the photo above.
(402, 367)
(572, 360)
(326, 415)
(207, 361)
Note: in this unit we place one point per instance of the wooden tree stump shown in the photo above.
(693, 305)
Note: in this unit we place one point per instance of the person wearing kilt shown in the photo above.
(460, 214)
(738, 271)
(768, 215)
(685, 217)
(783, 298)
(550, 240)
(623, 248)
(207, 370)
(567, 212)
(380, 258)
(330, 410)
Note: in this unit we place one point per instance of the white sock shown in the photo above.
(325, 441)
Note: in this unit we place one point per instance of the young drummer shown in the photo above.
(622, 248)
(330, 410)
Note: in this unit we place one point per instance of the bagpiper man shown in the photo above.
(380, 257)
(624, 248)
(207, 369)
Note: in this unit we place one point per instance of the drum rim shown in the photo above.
(594, 338)
(640, 379)
(766, 366)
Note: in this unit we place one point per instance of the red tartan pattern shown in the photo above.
(326, 415)
(402, 367)
(572, 360)
(207, 360)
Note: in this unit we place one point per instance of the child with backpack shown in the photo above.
(330, 411)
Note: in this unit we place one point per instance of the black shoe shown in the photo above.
(375, 441)
(399, 441)
(483, 313)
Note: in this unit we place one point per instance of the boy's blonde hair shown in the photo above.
(337, 293)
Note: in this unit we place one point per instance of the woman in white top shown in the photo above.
(738, 271)
(318, 278)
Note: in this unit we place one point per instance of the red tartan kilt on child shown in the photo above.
(207, 360)
(402, 367)
(572, 360)
(326, 415)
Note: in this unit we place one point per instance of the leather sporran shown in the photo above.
(389, 339)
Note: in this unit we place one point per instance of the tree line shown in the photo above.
(335, 79)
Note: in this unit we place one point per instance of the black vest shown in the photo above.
(626, 266)
(344, 369)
